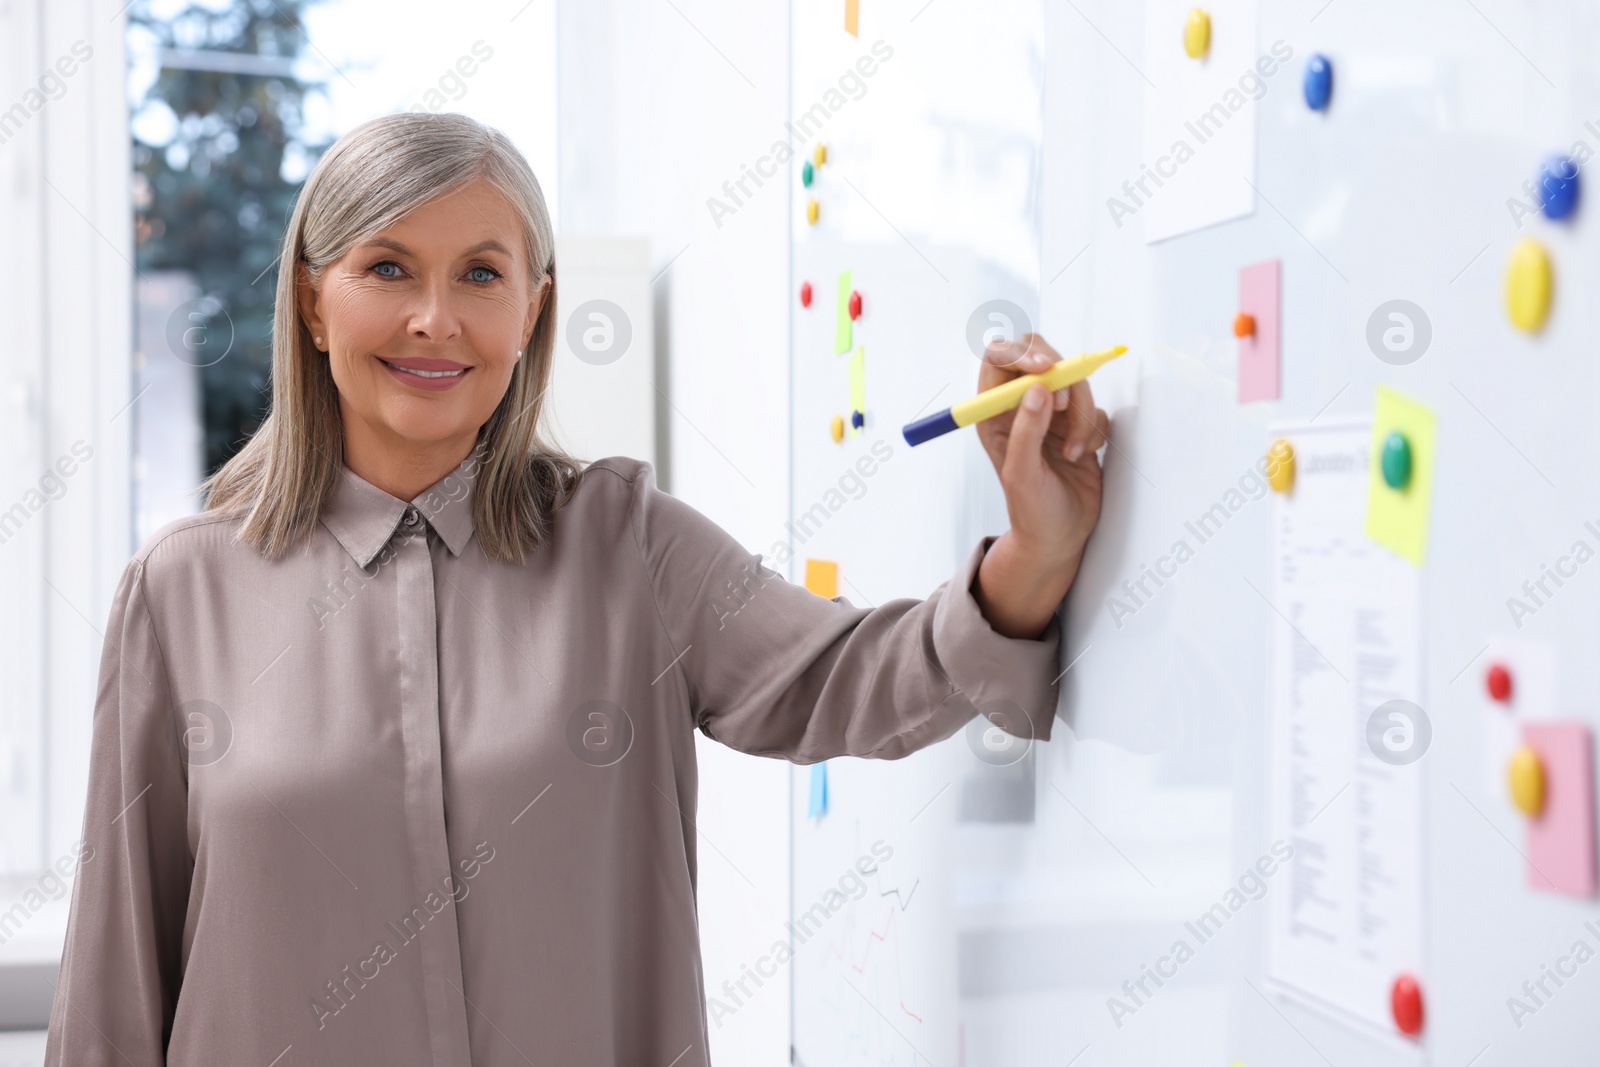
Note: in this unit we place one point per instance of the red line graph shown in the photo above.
(835, 949)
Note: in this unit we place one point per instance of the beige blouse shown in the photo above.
(386, 801)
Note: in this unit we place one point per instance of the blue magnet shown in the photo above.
(1558, 187)
(857, 420)
(1319, 82)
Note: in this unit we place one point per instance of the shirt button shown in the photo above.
(411, 516)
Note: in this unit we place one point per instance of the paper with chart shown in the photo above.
(1346, 763)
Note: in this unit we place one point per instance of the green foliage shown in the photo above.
(214, 200)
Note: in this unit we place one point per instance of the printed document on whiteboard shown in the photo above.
(1348, 738)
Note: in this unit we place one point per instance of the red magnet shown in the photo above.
(1498, 682)
(855, 304)
(805, 294)
(1405, 1000)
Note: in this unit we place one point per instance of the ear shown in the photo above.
(308, 300)
(536, 306)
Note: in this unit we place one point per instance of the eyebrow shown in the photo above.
(491, 245)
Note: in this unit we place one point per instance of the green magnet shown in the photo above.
(1396, 460)
(806, 174)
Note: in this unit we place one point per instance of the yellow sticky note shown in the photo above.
(852, 17)
(1398, 518)
(842, 322)
(858, 388)
(822, 577)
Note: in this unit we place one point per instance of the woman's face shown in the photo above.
(422, 322)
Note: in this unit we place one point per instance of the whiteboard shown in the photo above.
(1153, 795)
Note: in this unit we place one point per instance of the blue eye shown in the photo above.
(386, 263)
(493, 274)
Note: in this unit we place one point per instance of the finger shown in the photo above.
(1025, 448)
(1036, 345)
(1082, 429)
(1003, 361)
(1017, 355)
(1098, 435)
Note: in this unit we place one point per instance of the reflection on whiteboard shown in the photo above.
(1346, 776)
(873, 944)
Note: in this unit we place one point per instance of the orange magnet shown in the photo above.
(1244, 324)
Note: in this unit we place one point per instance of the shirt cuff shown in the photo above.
(1010, 680)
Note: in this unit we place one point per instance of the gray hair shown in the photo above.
(367, 180)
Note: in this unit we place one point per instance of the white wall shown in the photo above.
(66, 301)
(660, 104)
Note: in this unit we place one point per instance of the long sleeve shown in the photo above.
(122, 963)
(775, 670)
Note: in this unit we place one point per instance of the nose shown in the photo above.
(433, 316)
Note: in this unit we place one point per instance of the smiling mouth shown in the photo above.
(425, 373)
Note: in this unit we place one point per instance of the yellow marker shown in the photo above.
(1197, 33)
(1526, 775)
(1280, 466)
(1004, 398)
(1528, 284)
(820, 156)
(811, 211)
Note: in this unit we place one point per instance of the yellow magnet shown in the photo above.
(1280, 466)
(1525, 772)
(820, 156)
(811, 211)
(1197, 33)
(1528, 284)
(838, 429)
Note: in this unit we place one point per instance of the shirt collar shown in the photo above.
(363, 517)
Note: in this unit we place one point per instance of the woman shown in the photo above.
(392, 758)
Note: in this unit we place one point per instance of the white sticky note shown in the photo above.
(1199, 162)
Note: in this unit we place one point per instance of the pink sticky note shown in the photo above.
(1560, 842)
(1258, 351)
